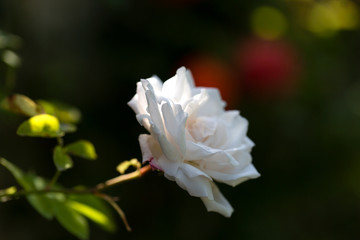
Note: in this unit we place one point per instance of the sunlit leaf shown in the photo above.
(19, 103)
(94, 215)
(82, 148)
(43, 125)
(95, 209)
(62, 160)
(64, 112)
(122, 167)
(71, 220)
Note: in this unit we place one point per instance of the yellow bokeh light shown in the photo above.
(268, 23)
(328, 17)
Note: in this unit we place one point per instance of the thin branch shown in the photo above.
(23, 192)
(54, 179)
(123, 178)
(121, 213)
(114, 181)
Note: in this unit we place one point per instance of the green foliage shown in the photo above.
(64, 112)
(43, 125)
(30, 182)
(95, 209)
(71, 220)
(62, 160)
(50, 119)
(21, 104)
(67, 115)
(70, 208)
(82, 148)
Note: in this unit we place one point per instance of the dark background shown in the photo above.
(300, 91)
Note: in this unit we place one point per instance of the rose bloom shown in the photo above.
(193, 140)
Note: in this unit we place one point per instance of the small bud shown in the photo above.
(122, 167)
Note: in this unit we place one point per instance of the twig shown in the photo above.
(121, 213)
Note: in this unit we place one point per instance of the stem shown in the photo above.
(123, 178)
(60, 141)
(93, 191)
(116, 207)
(54, 179)
(22, 193)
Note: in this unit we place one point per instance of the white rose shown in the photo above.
(193, 140)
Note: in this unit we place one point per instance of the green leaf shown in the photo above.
(64, 112)
(82, 148)
(17, 173)
(19, 103)
(42, 203)
(95, 209)
(43, 125)
(30, 182)
(69, 210)
(71, 220)
(62, 160)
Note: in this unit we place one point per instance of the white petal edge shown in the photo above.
(219, 204)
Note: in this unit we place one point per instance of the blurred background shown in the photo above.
(291, 67)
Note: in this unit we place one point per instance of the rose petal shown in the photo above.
(178, 88)
(175, 120)
(196, 186)
(150, 148)
(233, 176)
(219, 203)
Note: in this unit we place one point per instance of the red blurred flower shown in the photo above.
(268, 68)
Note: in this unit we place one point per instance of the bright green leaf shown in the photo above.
(43, 125)
(82, 148)
(64, 112)
(62, 160)
(93, 214)
(71, 220)
(95, 209)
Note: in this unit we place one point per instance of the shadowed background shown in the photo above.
(291, 67)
